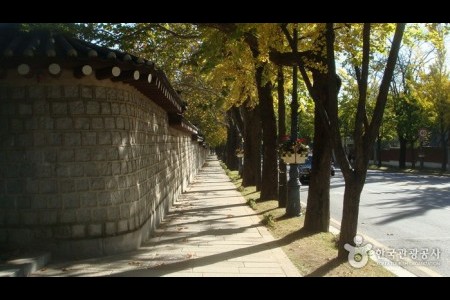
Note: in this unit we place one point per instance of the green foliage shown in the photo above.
(252, 203)
(268, 220)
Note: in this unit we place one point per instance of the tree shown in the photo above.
(365, 129)
(410, 115)
(434, 92)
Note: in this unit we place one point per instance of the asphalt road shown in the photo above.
(406, 213)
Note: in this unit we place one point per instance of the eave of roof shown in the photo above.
(38, 50)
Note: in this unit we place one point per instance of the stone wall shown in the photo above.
(87, 167)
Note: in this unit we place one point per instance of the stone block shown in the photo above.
(24, 140)
(97, 183)
(48, 217)
(123, 109)
(76, 107)
(104, 138)
(88, 199)
(78, 231)
(122, 226)
(120, 123)
(68, 216)
(89, 138)
(87, 92)
(111, 228)
(54, 201)
(99, 214)
(106, 108)
(18, 92)
(59, 108)
(72, 139)
(64, 123)
(112, 153)
(45, 170)
(17, 125)
(42, 233)
(39, 138)
(111, 94)
(116, 197)
(23, 202)
(93, 108)
(8, 202)
(122, 95)
(36, 92)
(113, 213)
(100, 92)
(29, 218)
(70, 200)
(31, 186)
(40, 107)
(54, 92)
(31, 123)
(12, 218)
(115, 167)
(71, 91)
(111, 183)
(15, 186)
(82, 155)
(110, 123)
(82, 123)
(25, 109)
(62, 170)
(84, 215)
(62, 231)
(50, 155)
(104, 198)
(66, 155)
(125, 211)
(48, 186)
(98, 154)
(94, 230)
(75, 170)
(67, 186)
(115, 108)
(97, 123)
(116, 138)
(82, 185)
(55, 139)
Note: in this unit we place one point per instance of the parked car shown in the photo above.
(305, 170)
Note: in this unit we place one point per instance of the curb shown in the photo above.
(23, 267)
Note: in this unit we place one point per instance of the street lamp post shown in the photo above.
(293, 206)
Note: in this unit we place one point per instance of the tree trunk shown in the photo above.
(444, 142)
(231, 159)
(282, 175)
(379, 151)
(413, 155)
(252, 137)
(317, 217)
(402, 153)
(365, 132)
(269, 180)
(352, 197)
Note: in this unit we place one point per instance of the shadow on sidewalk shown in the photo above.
(215, 258)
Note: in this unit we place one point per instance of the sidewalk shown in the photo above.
(209, 231)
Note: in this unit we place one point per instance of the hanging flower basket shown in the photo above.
(294, 158)
(293, 152)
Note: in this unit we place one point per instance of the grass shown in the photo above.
(312, 254)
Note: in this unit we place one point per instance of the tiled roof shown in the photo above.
(43, 50)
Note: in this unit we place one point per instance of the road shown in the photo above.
(402, 211)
